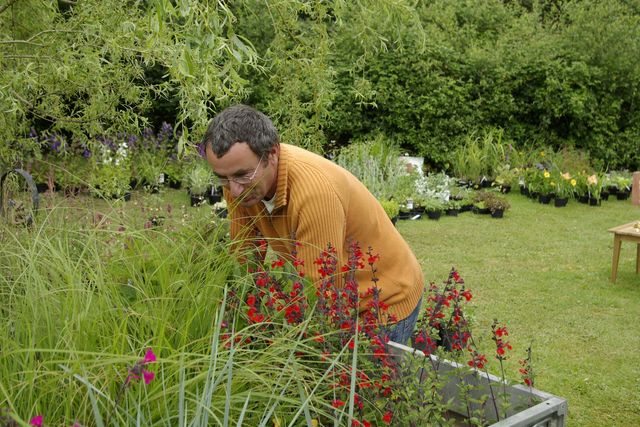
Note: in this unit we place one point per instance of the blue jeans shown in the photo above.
(401, 332)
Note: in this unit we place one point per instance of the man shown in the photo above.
(279, 191)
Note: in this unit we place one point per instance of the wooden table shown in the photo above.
(630, 233)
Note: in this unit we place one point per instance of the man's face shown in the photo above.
(248, 178)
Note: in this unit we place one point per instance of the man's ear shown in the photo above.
(275, 152)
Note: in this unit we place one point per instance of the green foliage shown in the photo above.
(111, 175)
(199, 177)
(391, 207)
(79, 68)
(377, 165)
(426, 75)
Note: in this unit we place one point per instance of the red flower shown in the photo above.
(478, 361)
(386, 418)
(337, 403)
(501, 331)
(456, 277)
(251, 300)
(277, 263)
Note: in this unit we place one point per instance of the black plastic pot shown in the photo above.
(480, 211)
(42, 187)
(545, 199)
(499, 213)
(622, 195)
(404, 215)
(435, 215)
(197, 199)
(560, 202)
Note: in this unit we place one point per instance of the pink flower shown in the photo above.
(37, 421)
(147, 376)
(149, 357)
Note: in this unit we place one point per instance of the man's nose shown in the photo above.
(236, 189)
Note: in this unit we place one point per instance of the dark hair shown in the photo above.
(241, 123)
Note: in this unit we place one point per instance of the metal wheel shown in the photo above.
(19, 197)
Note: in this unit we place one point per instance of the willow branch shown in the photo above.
(7, 5)
(43, 115)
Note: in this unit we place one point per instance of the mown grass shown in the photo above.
(545, 271)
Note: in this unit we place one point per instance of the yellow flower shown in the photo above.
(546, 174)
(592, 180)
(573, 182)
(542, 153)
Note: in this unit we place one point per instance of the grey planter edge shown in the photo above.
(551, 411)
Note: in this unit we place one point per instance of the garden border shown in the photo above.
(550, 412)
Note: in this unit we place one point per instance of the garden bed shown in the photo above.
(526, 406)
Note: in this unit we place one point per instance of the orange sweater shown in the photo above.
(319, 203)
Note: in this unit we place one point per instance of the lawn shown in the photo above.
(545, 271)
(541, 270)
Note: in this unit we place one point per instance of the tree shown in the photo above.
(78, 68)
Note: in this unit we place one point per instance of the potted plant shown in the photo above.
(198, 181)
(391, 208)
(453, 207)
(112, 171)
(150, 169)
(433, 207)
(565, 188)
(621, 185)
(546, 188)
(507, 178)
(497, 205)
(480, 202)
(594, 189)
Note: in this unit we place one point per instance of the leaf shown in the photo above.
(185, 65)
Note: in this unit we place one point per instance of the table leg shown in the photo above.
(617, 242)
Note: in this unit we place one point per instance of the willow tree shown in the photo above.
(79, 67)
(82, 68)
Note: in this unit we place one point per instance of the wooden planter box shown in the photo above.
(546, 410)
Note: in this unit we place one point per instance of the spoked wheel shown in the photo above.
(18, 197)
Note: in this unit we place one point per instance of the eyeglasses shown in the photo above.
(242, 180)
